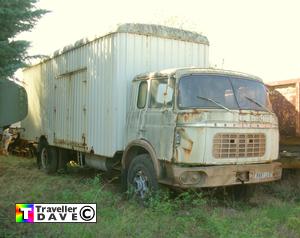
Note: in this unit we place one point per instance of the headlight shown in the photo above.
(192, 177)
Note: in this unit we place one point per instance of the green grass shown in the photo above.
(274, 211)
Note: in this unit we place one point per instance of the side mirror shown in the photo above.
(164, 94)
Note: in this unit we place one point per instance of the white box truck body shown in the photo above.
(79, 97)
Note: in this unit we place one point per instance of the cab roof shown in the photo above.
(194, 70)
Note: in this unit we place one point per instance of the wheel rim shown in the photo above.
(140, 182)
(44, 158)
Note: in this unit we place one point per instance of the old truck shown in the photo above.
(185, 127)
(285, 97)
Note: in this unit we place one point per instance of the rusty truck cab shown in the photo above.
(204, 127)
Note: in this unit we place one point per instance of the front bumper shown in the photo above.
(221, 175)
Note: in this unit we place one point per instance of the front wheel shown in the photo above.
(141, 177)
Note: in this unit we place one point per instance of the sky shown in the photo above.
(251, 36)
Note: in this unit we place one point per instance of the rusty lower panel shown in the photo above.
(225, 175)
(70, 144)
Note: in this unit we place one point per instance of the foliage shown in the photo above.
(187, 214)
(16, 16)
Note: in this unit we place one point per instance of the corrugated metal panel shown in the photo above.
(138, 54)
(85, 91)
(101, 110)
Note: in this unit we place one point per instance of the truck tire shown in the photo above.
(141, 177)
(42, 143)
(47, 158)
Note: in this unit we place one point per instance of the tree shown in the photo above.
(16, 16)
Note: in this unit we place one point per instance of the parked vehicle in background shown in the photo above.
(285, 97)
(184, 127)
(13, 103)
(13, 108)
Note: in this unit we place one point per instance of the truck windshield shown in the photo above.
(227, 92)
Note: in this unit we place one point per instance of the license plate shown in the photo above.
(263, 175)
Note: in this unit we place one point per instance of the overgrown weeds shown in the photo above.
(274, 210)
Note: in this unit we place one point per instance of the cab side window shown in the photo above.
(142, 95)
(161, 94)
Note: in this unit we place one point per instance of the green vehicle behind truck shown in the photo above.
(13, 103)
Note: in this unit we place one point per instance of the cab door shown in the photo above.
(137, 109)
(160, 120)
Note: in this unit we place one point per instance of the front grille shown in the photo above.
(239, 145)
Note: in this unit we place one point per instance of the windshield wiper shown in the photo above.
(257, 103)
(213, 101)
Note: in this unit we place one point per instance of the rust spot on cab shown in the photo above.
(185, 147)
(187, 117)
(187, 153)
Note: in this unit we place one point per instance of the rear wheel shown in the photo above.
(42, 143)
(141, 177)
(47, 158)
